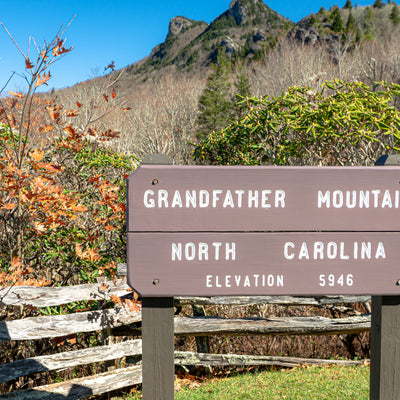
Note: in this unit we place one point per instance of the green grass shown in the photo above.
(323, 383)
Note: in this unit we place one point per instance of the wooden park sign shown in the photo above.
(206, 230)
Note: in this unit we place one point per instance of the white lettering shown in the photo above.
(264, 198)
(353, 202)
(324, 199)
(230, 251)
(190, 199)
(176, 251)
(204, 199)
(331, 250)
(380, 251)
(245, 281)
(190, 251)
(271, 280)
(375, 194)
(253, 199)
(177, 200)
(334, 250)
(366, 250)
(162, 198)
(203, 251)
(217, 245)
(215, 195)
(318, 250)
(286, 250)
(337, 199)
(228, 200)
(149, 203)
(304, 252)
(364, 199)
(342, 255)
(387, 200)
(349, 198)
(256, 280)
(280, 198)
(240, 194)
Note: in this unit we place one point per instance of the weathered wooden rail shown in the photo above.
(126, 322)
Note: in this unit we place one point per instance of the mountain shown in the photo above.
(359, 43)
(247, 30)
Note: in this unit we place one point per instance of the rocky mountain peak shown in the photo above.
(178, 24)
(248, 29)
(239, 11)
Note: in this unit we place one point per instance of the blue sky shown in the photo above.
(105, 31)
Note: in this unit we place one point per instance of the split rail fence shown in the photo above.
(121, 321)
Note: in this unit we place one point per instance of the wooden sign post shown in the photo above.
(158, 335)
(209, 231)
(385, 338)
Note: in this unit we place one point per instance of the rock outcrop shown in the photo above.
(178, 24)
(238, 10)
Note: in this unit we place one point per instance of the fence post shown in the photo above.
(158, 334)
(158, 348)
(385, 338)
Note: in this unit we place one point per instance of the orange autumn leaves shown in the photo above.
(61, 207)
(18, 275)
(36, 194)
(35, 191)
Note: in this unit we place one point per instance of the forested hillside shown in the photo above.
(352, 44)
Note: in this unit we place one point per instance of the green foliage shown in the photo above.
(324, 383)
(343, 124)
(351, 23)
(224, 22)
(313, 20)
(77, 248)
(194, 56)
(395, 15)
(101, 175)
(218, 26)
(337, 22)
(348, 5)
(160, 56)
(378, 4)
(242, 92)
(214, 104)
(309, 382)
(217, 105)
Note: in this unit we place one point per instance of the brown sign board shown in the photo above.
(213, 264)
(259, 199)
(208, 231)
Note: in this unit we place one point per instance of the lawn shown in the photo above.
(303, 383)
